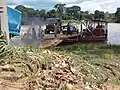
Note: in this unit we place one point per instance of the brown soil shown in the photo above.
(57, 75)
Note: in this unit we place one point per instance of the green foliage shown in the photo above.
(60, 7)
(110, 17)
(37, 13)
(74, 12)
(99, 15)
(66, 17)
(86, 15)
(69, 13)
(52, 13)
(30, 12)
(70, 21)
(117, 15)
(21, 8)
(42, 13)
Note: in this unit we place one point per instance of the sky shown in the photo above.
(86, 5)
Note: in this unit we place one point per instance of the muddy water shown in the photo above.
(114, 33)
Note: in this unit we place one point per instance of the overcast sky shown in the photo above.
(86, 5)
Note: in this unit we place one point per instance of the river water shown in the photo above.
(114, 33)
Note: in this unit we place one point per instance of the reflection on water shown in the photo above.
(114, 33)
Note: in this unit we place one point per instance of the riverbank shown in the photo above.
(98, 62)
(85, 66)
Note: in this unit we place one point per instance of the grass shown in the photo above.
(99, 63)
(71, 21)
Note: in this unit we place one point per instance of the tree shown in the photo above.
(89, 16)
(27, 12)
(69, 11)
(102, 15)
(42, 13)
(74, 11)
(117, 15)
(85, 15)
(21, 8)
(37, 13)
(60, 9)
(30, 12)
(99, 14)
(52, 13)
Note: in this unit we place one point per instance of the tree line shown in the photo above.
(69, 13)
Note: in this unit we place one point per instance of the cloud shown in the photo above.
(41, 4)
(86, 5)
(11, 3)
(102, 5)
(89, 6)
(67, 1)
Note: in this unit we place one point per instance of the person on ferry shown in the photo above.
(90, 27)
(98, 26)
(56, 29)
(102, 26)
(68, 29)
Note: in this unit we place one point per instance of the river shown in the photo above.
(113, 33)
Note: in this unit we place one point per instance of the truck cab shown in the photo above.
(50, 26)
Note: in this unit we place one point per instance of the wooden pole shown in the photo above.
(4, 19)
